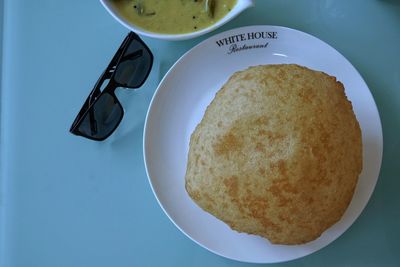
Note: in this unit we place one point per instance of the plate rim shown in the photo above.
(243, 28)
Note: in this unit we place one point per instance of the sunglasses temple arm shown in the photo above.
(107, 74)
(117, 56)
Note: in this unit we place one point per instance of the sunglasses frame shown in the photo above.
(110, 88)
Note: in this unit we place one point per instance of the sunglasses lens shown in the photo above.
(103, 117)
(134, 66)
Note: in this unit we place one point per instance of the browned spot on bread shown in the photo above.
(231, 184)
(262, 120)
(227, 144)
(286, 218)
(267, 223)
(262, 132)
(195, 195)
(280, 166)
(287, 187)
(257, 206)
(284, 201)
(209, 198)
(283, 191)
(327, 182)
(260, 147)
(282, 74)
(275, 136)
(247, 77)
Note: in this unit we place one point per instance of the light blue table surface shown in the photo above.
(68, 201)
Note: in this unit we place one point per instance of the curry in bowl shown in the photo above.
(173, 16)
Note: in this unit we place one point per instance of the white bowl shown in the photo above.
(240, 6)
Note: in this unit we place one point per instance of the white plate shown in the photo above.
(179, 104)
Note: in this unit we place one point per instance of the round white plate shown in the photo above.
(179, 104)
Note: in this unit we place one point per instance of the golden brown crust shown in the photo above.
(277, 153)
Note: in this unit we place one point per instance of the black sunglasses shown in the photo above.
(102, 112)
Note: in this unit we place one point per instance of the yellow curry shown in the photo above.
(173, 16)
